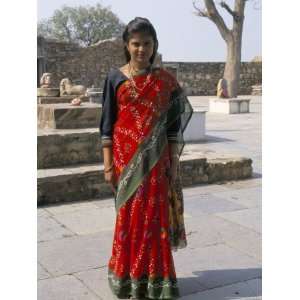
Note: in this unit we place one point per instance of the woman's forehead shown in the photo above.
(140, 36)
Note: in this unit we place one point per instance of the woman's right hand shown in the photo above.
(110, 178)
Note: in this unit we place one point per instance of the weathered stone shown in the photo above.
(68, 147)
(47, 92)
(66, 87)
(90, 66)
(256, 89)
(61, 99)
(229, 105)
(46, 81)
(64, 287)
(76, 253)
(66, 116)
(94, 94)
(201, 78)
(195, 131)
(87, 182)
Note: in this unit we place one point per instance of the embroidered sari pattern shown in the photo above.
(141, 263)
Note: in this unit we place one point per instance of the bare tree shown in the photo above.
(232, 37)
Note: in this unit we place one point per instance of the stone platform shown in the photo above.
(82, 182)
(229, 105)
(66, 116)
(195, 130)
(56, 100)
(58, 148)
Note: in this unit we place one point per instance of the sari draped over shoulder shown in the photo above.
(149, 208)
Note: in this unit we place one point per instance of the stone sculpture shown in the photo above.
(67, 88)
(46, 80)
(46, 88)
(222, 91)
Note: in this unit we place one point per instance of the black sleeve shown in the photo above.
(174, 128)
(109, 112)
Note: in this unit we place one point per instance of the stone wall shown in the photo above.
(89, 66)
(83, 65)
(202, 78)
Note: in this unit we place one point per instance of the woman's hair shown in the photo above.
(139, 25)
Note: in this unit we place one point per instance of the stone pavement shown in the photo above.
(223, 223)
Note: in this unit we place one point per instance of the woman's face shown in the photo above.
(140, 48)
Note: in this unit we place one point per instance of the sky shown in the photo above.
(182, 35)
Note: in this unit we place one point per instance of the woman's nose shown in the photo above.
(141, 48)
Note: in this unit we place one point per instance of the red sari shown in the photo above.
(141, 263)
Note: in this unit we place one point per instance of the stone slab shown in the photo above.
(42, 272)
(96, 280)
(59, 148)
(249, 218)
(64, 287)
(47, 92)
(88, 221)
(246, 290)
(212, 230)
(66, 116)
(195, 131)
(62, 208)
(208, 204)
(216, 265)
(229, 105)
(248, 197)
(49, 229)
(74, 254)
(61, 99)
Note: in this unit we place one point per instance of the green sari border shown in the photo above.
(152, 288)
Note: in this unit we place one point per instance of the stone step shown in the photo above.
(65, 147)
(61, 99)
(66, 116)
(86, 181)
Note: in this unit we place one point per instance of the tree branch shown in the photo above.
(215, 17)
(200, 12)
(230, 11)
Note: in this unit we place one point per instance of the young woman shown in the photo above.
(144, 114)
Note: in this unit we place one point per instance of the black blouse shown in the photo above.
(109, 109)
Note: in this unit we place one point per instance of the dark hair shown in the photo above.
(139, 25)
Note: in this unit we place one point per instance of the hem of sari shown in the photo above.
(152, 288)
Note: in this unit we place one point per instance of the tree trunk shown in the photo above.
(234, 50)
(233, 65)
(233, 39)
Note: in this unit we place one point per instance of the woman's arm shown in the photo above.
(107, 157)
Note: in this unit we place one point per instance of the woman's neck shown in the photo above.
(138, 66)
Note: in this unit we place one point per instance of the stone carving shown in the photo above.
(46, 87)
(46, 80)
(222, 91)
(67, 88)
